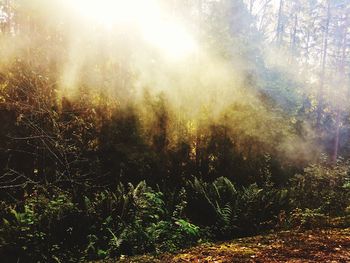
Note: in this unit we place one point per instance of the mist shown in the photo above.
(208, 83)
(217, 65)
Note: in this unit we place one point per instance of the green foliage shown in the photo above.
(130, 220)
(50, 226)
(235, 212)
(152, 227)
(322, 187)
(307, 219)
(40, 231)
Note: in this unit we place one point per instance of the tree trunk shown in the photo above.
(343, 77)
(323, 70)
(279, 31)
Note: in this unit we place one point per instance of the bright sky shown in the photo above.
(156, 26)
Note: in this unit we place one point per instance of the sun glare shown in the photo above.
(166, 34)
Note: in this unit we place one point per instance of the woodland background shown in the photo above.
(107, 148)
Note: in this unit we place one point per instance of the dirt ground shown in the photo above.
(331, 245)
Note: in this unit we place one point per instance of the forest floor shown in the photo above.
(332, 245)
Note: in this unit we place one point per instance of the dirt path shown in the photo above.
(310, 246)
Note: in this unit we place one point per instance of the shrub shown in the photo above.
(322, 187)
(229, 212)
(307, 219)
(44, 230)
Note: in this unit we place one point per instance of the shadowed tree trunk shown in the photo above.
(324, 63)
(343, 77)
